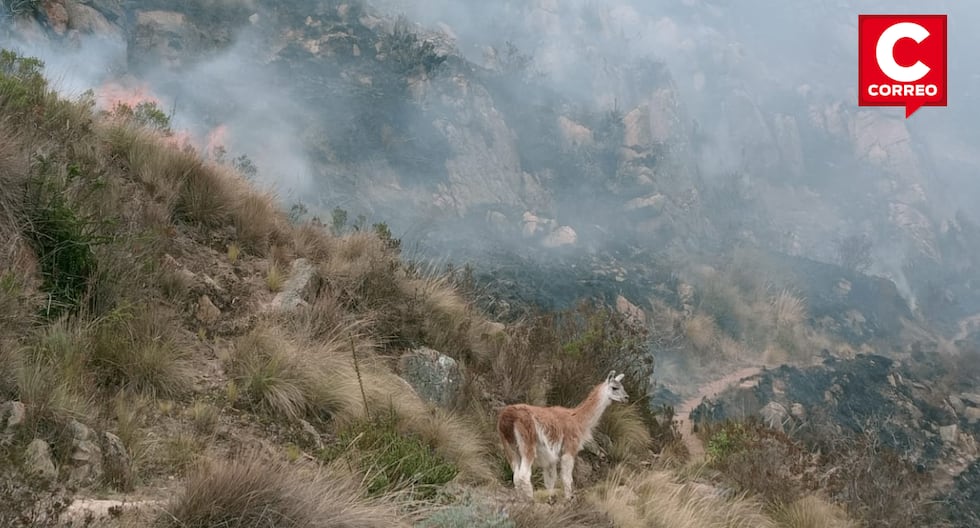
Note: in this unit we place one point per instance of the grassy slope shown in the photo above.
(135, 281)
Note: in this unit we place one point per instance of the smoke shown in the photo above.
(225, 103)
(749, 104)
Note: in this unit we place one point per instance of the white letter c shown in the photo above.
(886, 48)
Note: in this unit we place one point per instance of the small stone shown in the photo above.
(972, 415)
(311, 433)
(12, 414)
(797, 411)
(207, 312)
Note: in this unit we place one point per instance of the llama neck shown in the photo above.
(590, 410)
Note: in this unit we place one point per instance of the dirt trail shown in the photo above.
(708, 390)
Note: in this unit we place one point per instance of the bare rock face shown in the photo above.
(484, 167)
(56, 14)
(163, 38)
(434, 376)
(87, 20)
(562, 236)
(630, 310)
(38, 460)
(573, 134)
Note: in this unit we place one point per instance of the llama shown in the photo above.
(547, 434)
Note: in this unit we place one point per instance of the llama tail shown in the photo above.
(505, 428)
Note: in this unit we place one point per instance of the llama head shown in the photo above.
(614, 388)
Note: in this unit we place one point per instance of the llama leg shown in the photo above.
(551, 476)
(567, 466)
(522, 475)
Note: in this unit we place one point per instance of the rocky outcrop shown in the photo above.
(868, 394)
(86, 455)
(300, 287)
(164, 38)
(435, 377)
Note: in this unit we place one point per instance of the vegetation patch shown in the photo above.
(391, 459)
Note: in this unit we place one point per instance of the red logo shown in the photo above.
(902, 61)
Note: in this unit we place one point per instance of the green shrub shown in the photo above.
(62, 241)
(146, 114)
(390, 459)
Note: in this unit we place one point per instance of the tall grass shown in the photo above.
(655, 498)
(253, 494)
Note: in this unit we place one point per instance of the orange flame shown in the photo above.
(112, 94)
(217, 137)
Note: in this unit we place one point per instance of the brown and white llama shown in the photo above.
(548, 434)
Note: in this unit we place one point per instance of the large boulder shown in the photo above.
(435, 377)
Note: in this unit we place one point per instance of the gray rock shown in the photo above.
(300, 287)
(972, 415)
(86, 455)
(116, 463)
(436, 377)
(562, 236)
(957, 404)
(949, 433)
(311, 433)
(971, 398)
(38, 460)
(12, 416)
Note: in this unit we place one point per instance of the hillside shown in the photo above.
(281, 264)
(172, 339)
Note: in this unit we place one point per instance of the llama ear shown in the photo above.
(620, 377)
(611, 374)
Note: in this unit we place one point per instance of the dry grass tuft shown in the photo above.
(629, 436)
(274, 277)
(455, 439)
(252, 494)
(258, 221)
(788, 310)
(701, 330)
(136, 349)
(813, 512)
(655, 498)
(578, 514)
